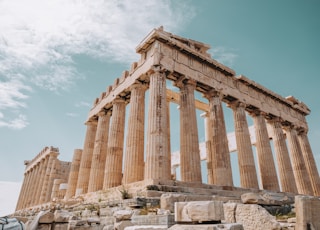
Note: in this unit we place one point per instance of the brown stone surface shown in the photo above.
(307, 212)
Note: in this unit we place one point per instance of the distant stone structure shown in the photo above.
(102, 166)
(43, 177)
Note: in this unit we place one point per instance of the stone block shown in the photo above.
(62, 216)
(108, 227)
(199, 211)
(234, 226)
(122, 225)
(46, 218)
(307, 212)
(61, 226)
(165, 220)
(44, 227)
(121, 215)
(229, 210)
(255, 217)
(146, 227)
(167, 200)
(267, 198)
(105, 212)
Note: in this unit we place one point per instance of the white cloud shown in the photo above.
(83, 104)
(19, 122)
(224, 55)
(38, 38)
(72, 114)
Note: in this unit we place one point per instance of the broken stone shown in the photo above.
(46, 218)
(199, 211)
(121, 215)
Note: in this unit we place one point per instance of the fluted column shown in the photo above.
(23, 191)
(299, 168)
(99, 152)
(74, 173)
(248, 174)
(268, 173)
(31, 188)
(53, 175)
(86, 159)
(309, 162)
(113, 167)
(42, 172)
(221, 164)
(134, 157)
(189, 142)
(35, 184)
(172, 174)
(45, 187)
(207, 135)
(156, 166)
(286, 176)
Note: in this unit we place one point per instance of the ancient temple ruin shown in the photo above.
(45, 178)
(103, 164)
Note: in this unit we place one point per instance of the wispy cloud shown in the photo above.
(19, 122)
(83, 104)
(39, 38)
(224, 55)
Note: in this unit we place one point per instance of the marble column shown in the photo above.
(34, 184)
(134, 157)
(157, 155)
(99, 152)
(299, 168)
(53, 175)
(45, 187)
(28, 186)
(43, 167)
(23, 191)
(221, 163)
(31, 187)
(207, 135)
(268, 173)
(309, 162)
(190, 166)
(74, 173)
(113, 167)
(86, 159)
(286, 176)
(248, 174)
(172, 175)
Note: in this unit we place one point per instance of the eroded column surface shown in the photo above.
(113, 167)
(286, 176)
(43, 167)
(33, 189)
(45, 192)
(134, 157)
(268, 174)
(99, 152)
(248, 174)
(189, 142)
(208, 134)
(86, 159)
(221, 164)
(309, 162)
(156, 166)
(299, 168)
(74, 173)
(24, 190)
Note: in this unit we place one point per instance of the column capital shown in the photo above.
(184, 80)
(139, 85)
(236, 104)
(213, 93)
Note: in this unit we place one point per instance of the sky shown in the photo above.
(57, 56)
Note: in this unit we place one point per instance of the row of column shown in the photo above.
(101, 164)
(38, 181)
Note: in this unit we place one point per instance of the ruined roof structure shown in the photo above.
(103, 165)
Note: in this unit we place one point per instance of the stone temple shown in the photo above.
(142, 163)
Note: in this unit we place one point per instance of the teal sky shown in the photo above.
(57, 57)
